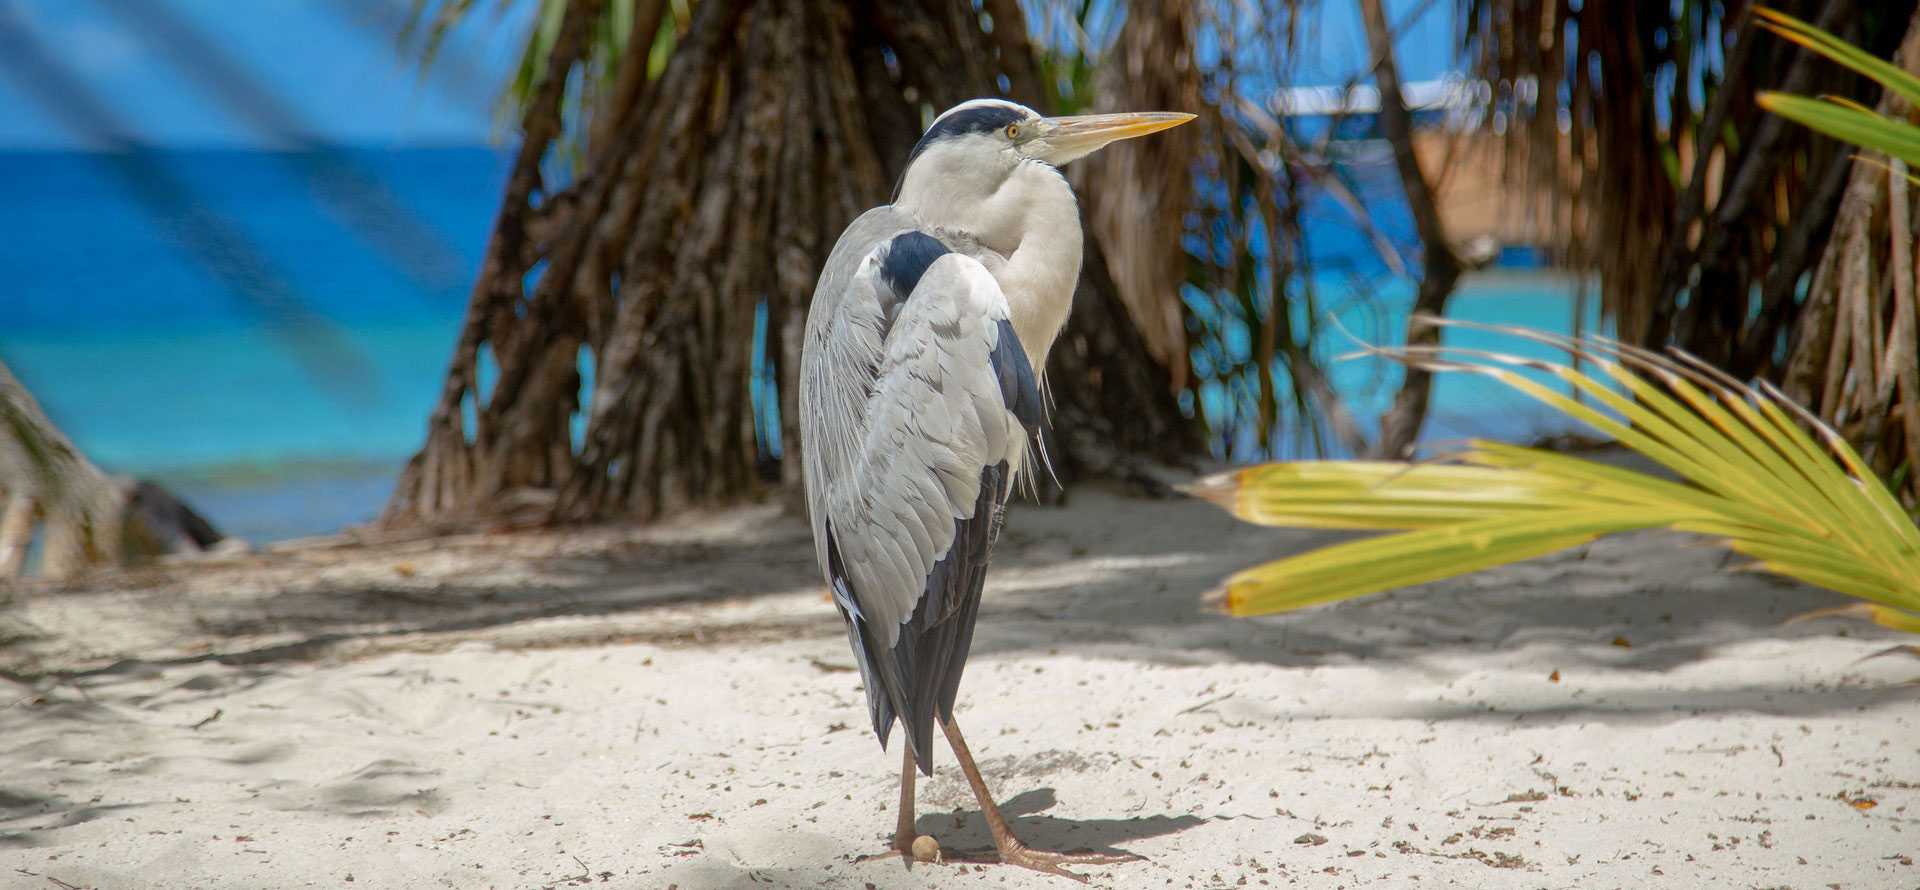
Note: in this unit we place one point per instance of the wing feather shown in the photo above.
(909, 428)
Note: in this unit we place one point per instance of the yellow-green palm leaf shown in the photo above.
(1837, 117)
(1752, 477)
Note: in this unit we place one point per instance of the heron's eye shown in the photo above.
(1013, 131)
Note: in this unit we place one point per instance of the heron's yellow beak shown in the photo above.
(1062, 139)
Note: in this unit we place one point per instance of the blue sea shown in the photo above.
(290, 415)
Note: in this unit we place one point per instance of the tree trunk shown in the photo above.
(1440, 268)
(1854, 359)
(1138, 210)
(1124, 356)
(1115, 406)
(713, 199)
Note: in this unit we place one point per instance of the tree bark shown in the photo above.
(1853, 358)
(1139, 203)
(1123, 357)
(1115, 408)
(1440, 268)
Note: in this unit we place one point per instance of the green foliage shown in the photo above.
(1880, 70)
(1839, 118)
(1849, 123)
(1061, 56)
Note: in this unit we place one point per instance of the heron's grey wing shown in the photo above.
(840, 358)
(936, 418)
(906, 489)
(839, 366)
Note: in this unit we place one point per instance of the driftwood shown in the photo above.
(85, 517)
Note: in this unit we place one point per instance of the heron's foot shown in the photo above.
(1017, 853)
(875, 857)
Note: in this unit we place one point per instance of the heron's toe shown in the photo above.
(1044, 861)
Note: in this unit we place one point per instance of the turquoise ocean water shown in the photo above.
(154, 368)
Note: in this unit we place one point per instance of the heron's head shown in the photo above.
(976, 147)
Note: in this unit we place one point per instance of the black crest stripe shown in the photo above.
(978, 119)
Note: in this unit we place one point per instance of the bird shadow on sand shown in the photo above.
(966, 829)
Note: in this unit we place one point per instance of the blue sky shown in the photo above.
(335, 66)
(1333, 47)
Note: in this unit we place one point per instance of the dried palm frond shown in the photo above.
(1750, 474)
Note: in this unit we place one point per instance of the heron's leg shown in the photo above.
(1007, 848)
(904, 834)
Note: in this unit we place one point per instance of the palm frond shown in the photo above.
(1801, 503)
(1848, 122)
(1880, 70)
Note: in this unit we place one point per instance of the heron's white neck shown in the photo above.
(1033, 221)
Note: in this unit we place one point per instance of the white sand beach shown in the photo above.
(676, 708)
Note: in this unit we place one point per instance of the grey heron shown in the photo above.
(920, 392)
